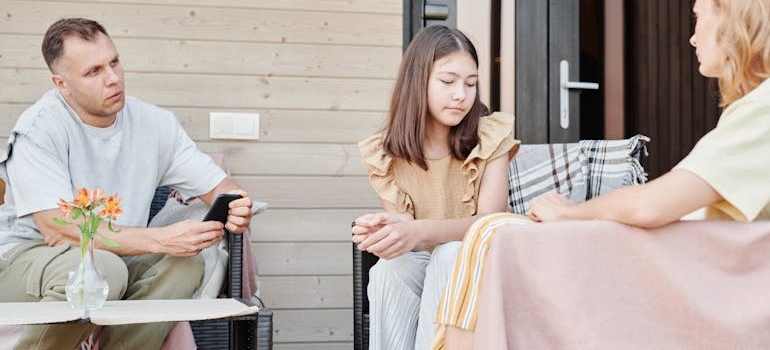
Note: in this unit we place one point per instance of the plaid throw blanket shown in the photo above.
(578, 170)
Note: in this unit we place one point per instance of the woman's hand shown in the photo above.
(549, 207)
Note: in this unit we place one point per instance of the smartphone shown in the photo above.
(219, 209)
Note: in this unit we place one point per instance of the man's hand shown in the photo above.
(189, 237)
(239, 216)
(548, 207)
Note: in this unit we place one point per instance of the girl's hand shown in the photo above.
(367, 224)
(370, 223)
(549, 207)
(392, 240)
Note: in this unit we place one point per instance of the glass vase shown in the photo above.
(87, 289)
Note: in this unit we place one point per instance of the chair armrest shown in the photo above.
(362, 262)
(234, 285)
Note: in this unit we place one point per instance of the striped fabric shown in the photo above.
(458, 304)
(578, 170)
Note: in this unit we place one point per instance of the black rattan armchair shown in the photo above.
(362, 262)
(243, 332)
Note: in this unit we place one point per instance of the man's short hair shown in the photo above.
(53, 41)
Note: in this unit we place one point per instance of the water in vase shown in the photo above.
(86, 289)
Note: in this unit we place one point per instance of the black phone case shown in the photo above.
(219, 209)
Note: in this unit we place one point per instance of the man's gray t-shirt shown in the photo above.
(51, 153)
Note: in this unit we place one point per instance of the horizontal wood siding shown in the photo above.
(319, 73)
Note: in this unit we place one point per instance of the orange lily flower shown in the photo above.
(82, 198)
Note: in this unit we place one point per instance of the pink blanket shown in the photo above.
(603, 285)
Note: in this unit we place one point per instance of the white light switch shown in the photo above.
(239, 126)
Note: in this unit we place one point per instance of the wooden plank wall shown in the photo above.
(319, 72)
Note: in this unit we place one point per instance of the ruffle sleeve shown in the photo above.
(495, 140)
(381, 175)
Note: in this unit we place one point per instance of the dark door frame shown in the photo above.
(421, 13)
(531, 71)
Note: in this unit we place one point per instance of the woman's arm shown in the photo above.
(656, 203)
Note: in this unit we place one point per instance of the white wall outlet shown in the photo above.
(236, 126)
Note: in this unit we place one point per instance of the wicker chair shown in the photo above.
(362, 262)
(241, 333)
(580, 170)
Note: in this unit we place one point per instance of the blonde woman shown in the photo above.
(638, 277)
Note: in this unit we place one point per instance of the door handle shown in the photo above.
(435, 12)
(564, 86)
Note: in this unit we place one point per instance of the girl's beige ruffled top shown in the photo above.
(450, 186)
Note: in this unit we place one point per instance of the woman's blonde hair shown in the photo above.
(744, 36)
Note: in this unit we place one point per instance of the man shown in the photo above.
(87, 133)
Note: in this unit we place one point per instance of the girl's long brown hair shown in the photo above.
(408, 112)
